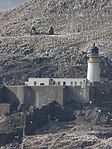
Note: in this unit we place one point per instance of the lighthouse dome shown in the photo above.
(94, 51)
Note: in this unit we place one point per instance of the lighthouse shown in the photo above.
(93, 71)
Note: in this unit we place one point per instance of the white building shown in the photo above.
(38, 81)
(57, 82)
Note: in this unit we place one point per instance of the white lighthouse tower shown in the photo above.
(93, 72)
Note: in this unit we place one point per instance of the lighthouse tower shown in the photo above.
(93, 72)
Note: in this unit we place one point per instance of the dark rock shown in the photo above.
(57, 112)
(51, 31)
(92, 116)
(87, 143)
(104, 135)
(97, 116)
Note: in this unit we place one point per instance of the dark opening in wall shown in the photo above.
(64, 83)
(80, 83)
(58, 83)
(71, 83)
(42, 84)
(35, 83)
(54, 83)
(75, 83)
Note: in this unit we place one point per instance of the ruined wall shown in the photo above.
(33, 95)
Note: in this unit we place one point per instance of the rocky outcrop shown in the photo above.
(96, 116)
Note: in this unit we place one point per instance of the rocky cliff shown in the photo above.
(77, 24)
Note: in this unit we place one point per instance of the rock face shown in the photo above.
(95, 116)
(72, 136)
(76, 25)
(66, 17)
(60, 127)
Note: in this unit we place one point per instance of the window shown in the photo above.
(84, 81)
(64, 83)
(54, 83)
(35, 83)
(71, 83)
(58, 83)
(75, 83)
(80, 83)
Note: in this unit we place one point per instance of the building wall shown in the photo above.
(33, 95)
(46, 94)
(56, 81)
(13, 94)
(40, 95)
(70, 81)
(38, 81)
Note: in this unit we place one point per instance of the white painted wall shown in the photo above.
(57, 81)
(37, 81)
(93, 73)
(70, 81)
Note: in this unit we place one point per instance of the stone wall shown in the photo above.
(13, 94)
(32, 95)
(40, 95)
